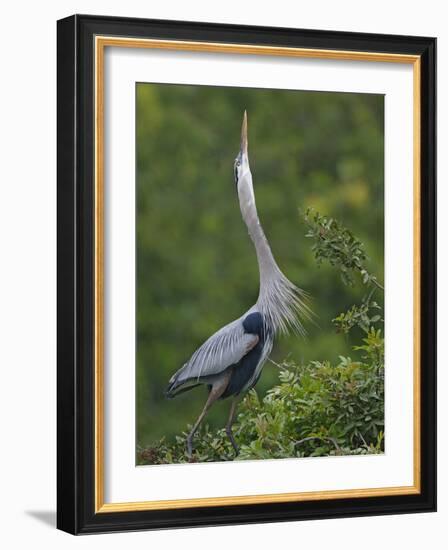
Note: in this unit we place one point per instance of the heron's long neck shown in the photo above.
(267, 265)
(280, 301)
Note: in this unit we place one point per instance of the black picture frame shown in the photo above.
(76, 271)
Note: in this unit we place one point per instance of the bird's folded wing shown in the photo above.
(226, 347)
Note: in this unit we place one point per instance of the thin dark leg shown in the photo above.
(211, 399)
(217, 390)
(229, 432)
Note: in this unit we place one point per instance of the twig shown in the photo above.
(375, 282)
(277, 365)
(363, 440)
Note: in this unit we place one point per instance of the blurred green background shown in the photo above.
(196, 267)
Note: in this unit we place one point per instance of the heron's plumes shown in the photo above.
(244, 142)
(284, 305)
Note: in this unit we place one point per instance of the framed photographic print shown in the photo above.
(246, 274)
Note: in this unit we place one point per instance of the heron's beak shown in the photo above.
(244, 135)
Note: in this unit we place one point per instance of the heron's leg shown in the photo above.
(216, 391)
(211, 399)
(232, 414)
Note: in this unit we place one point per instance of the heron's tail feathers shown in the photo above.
(180, 389)
(177, 385)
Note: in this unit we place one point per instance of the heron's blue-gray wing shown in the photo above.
(224, 348)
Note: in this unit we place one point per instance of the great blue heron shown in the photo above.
(230, 361)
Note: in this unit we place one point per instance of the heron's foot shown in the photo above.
(232, 440)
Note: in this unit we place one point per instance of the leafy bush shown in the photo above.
(317, 408)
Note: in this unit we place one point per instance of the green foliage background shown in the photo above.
(196, 268)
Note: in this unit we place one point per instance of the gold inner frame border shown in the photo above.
(100, 43)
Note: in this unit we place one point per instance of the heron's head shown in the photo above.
(241, 168)
(241, 165)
